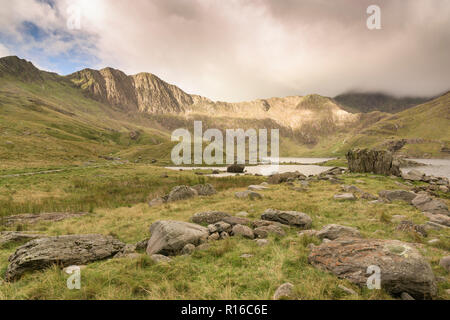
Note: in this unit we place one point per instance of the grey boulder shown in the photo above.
(292, 218)
(334, 231)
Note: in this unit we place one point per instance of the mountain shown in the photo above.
(47, 119)
(368, 102)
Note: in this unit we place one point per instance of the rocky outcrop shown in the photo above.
(63, 251)
(292, 218)
(373, 161)
(402, 267)
(170, 237)
(7, 237)
(30, 218)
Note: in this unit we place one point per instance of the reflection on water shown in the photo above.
(435, 167)
(296, 160)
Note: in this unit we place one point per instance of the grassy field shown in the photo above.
(115, 197)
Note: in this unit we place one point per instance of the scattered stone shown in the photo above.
(408, 226)
(308, 233)
(157, 201)
(242, 214)
(406, 296)
(181, 193)
(246, 255)
(170, 237)
(263, 232)
(368, 196)
(348, 188)
(30, 218)
(262, 242)
(244, 231)
(188, 249)
(424, 202)
(248, 195)
(285, 291)
(257, 188)
(7, 237)
(158, 258)
(344, 196)
(209, 217)
(204, 189)
(284, 177)
(142, 245)
(236, 168)
(374, 161)
(292, 218)
(224, 235)
(334, 231)
(219, 227)
(434, 226)
(347, 290)
(394, 195)
(128, 251)
(236, 220)
(402, 267)
(64, 251)
(413, 175)
(214, 236)
(203, 247)
(263, 223)
(438, 218)
(445, 263)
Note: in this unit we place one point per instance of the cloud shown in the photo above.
(240, 50)
(4, 51)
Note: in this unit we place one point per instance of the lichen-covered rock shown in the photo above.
(413, 175)
(209, 217)
(334, 231)
(374, 161)
(7, 237)
(292, 218)
(285, 291)
(243, 231)
(181, 193)
(248, 195)
(397, 195)
(62, 250)
(170, 237)
(204, 189)
(403, 269)
(425, 203)
(264, 231)
(344, 196)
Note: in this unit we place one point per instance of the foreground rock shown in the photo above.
(63, 250)
(425, 203)
(181, 193)
(29, 218)
(397, 195)
(285, 291)
(209, 217)
(413, 175)
(334, 231)
(374, 161)
(7, 237)
(292, 218)
(403, 269)
(170, 237)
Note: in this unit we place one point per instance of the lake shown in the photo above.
(435, 167)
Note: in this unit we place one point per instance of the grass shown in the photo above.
(219, 272)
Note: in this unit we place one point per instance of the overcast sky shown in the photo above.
(241, 50)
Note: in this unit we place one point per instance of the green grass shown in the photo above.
(219, 272)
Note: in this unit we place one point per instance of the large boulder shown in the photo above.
(292, 218)
(209, 217)
(170, 237)
(425, 203)
(264, 231)
(413, 175)
(334, 231)
(63, 251)
(394, 195)
(374, 161)
(243, 231)
(181, 193)
(403, 269)
(236, 168)
(204, 189)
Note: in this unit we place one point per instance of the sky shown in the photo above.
(238, 50)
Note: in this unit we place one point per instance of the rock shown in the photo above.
(438, 218)
(434, 226)
(246, 255)
(348, 188)
(285, 291)
(215, 172)
(257, 188)
(203, 247)
(374, 161)
(347, 290)
(7, 237)
(62, 250)
(209, 217)
(394, 195)
(445, 263)
(128, 251)
(425, 203)
(406, 296)
(244, 231)
(443, 189)
(344, 196)
(236, 220)
(214, 236)
(248, 195)
(242, 214)
(29, 218)
(262, 242)
(157, 201)
(204, 189)
(333, 171)
(308, 233)
(334, 231)
(236, 168)
(224, 235)
(413, 175)
(284, 177)
(408, 226)
(368, 196)
(181, 193)
(292, 218)
(188, 249)
(263, 232)
(219, 227)
(158, 258)
(142, 245)
(403, 269)
(170, 237)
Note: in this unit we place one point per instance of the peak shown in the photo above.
(20, 68)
